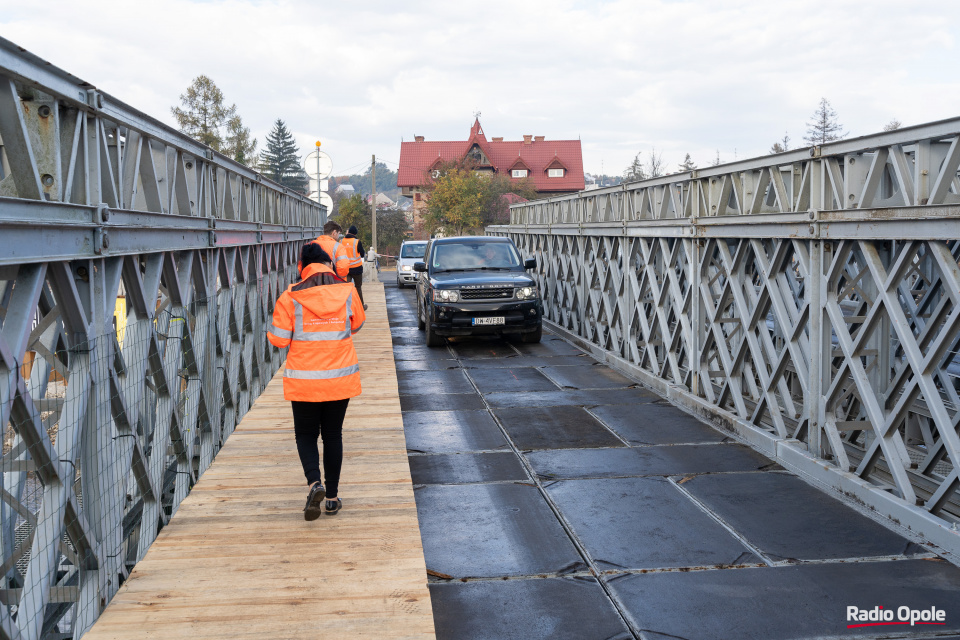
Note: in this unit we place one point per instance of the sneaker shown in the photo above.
(314, 500)
(333, 506)
(364, 307)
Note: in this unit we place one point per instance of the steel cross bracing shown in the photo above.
(111, 412)
(809, 301)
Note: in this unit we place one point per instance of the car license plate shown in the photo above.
(497, 320)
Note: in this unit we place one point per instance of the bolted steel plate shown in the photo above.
(646, 461)
(568, 397)
(549, 345)
(451, 431)
(595, 376)
(790, 602)
(516, 378)
(412, 383)
(459, 468)
(656, 424)
(441, 402)
(481, 348)
(644, 523)
(786, 518)
(554, 608)
(555, 428)
(492, 530)
(526, 361)
(414, 352)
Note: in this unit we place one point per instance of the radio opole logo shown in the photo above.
(878, 616)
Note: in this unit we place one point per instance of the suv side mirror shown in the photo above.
(419, 266)
(530, 263)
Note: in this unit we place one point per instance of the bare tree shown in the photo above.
(655, 163)
(824, 126)
(893, 125)
(781, 145)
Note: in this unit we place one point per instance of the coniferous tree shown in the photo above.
(688, 164)
(204, 114)
(635, 170)
(824, 126)
(781, 145)
(280, 160)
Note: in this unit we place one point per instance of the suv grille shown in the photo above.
(486, 294)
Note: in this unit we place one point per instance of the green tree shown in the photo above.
(392, 227)
(458, 201)
(688, 164)
(391, 223)
(237, 144)
(824, 126)
(635, 170)
(204, 115)
(280, 160)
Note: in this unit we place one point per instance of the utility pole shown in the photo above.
(373, 199)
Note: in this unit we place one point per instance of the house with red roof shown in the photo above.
(554, 166)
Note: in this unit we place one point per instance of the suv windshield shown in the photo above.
(413, 250)
(467, 256)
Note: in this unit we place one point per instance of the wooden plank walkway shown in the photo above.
(238, 560)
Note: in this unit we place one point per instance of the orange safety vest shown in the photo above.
(337, 253)
(354, 259)
(317, 318)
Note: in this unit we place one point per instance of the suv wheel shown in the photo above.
(433, 340)
(533, 336)
(420, 323)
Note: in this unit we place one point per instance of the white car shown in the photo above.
(410, 251)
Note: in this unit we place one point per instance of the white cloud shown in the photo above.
(624, 75)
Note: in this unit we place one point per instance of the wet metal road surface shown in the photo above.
(559, 499)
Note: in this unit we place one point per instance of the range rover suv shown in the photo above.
(476, 286)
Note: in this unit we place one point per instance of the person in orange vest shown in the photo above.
(355, 254)
(317, 318)
(330, 243)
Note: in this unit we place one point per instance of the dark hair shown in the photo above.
(312, 253)
(332, 226)
(352, 230)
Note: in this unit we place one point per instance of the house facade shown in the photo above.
(554, 166)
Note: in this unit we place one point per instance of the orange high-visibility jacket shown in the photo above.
(316, 318)
(354, 259)
(337, 253)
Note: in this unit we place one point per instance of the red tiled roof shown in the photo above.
(418, 158)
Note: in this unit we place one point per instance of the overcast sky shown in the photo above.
(623, 76)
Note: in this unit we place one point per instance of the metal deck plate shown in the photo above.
(780, 603)
(492, 530)
(549, 345)
(526, 361)
(412, 383)
(406, 336)
(414, 352)
(555, 428)
(646, 461)
(656, 424)
(452, 431)
(518, 378)
(568, 397)
(555, 608)
(426, 365)
(459, 468)
(441, 402)
(479, 348)
(785, 517)
(644, 523)
(595, 376)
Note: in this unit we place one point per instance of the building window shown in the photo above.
(416, 197)
(554, 173)
(519, 173)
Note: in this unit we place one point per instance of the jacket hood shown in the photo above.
(323, 300)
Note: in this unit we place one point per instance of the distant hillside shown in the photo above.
(386, 182)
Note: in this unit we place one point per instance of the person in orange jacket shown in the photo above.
(317, 318)
(331, 243)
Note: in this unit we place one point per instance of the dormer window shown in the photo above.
(435, 173)
(518, 173)
(554, 173)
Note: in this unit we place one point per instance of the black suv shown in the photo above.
(476, 286)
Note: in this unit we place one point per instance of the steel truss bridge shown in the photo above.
(137, 269)
(807, 301)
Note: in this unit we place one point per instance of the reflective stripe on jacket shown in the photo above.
(316, 318)
(337, 253)
(354, 259)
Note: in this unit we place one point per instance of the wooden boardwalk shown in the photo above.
(238, 560)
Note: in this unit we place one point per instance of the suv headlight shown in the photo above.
(525, 293)
(446, 295)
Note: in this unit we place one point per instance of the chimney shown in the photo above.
(496, 139)
(527, 139)
(538, 138)
(418, 138)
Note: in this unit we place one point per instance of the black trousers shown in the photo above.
(324, 420)
(357, 279)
